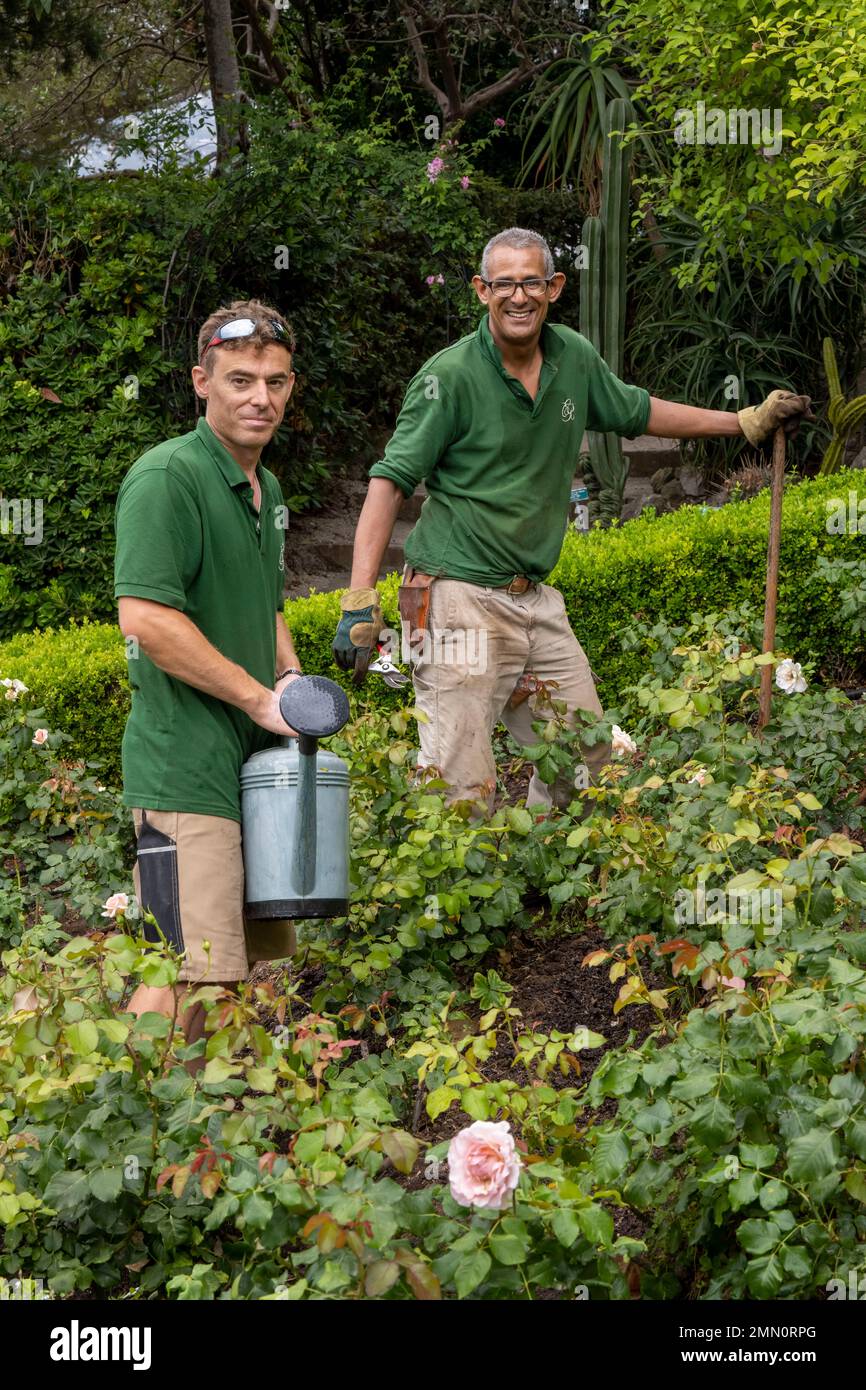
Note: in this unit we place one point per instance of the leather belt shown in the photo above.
(518, 585)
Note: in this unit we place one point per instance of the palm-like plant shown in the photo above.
(563, 141)
(761, 328)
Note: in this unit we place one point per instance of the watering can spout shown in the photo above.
(317, 708)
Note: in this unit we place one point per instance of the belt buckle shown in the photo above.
(518, 578)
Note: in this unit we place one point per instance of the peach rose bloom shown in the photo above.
(483, 1166)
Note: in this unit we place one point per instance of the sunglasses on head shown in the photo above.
(243, 328)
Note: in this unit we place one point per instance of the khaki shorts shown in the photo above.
(190, 874)
(481, 642)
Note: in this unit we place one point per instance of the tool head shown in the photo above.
(315, 706)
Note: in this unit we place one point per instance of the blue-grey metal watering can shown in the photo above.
(295, 812)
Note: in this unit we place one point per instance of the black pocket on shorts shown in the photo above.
(157, 870)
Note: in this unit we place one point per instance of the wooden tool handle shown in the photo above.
(772, 572)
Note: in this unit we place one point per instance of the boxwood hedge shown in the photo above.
(655, 568)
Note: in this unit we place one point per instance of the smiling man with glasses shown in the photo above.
(494, 424)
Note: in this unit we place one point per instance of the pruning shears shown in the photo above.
(383, 666)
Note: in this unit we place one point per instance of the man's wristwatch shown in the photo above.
(289, 671)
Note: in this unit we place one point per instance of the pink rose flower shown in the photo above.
(483, 1166)
(118, 902)
(499, 121)
(40, 737)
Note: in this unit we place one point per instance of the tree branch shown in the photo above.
(275, 65)
(421, 64)
(505, 84)
(452, 88)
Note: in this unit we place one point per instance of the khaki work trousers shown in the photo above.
(189, 872)
(479, 643)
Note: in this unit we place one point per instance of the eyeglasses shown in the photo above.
(502, 289)
(243, 328)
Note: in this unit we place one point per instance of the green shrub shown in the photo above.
(104, 284)
(669, 568)
(663, 569)
(78, 674)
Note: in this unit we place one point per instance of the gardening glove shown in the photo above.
(783, 408)
(357, 633)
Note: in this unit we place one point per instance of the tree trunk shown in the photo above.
(225, 78)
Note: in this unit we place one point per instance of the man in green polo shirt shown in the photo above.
(494, 424)
(199, 580)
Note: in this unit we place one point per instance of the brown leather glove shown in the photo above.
(354, 645)
(783, 408)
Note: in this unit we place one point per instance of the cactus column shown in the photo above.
(602, 299)
(844, 415)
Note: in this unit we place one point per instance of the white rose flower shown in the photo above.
(790, 678)
(621, 742)
(40, 737)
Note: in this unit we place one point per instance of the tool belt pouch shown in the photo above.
(413, 601)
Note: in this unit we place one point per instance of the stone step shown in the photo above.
(647, 453)
(338, 555)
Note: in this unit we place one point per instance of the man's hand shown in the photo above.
(358, 631)
(783, 408)
(269, 716)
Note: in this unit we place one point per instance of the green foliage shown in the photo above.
(692, 561)
(752, 329)
(78, 674)
(108, 281)
(805, 66)
(63, 832)
(568, 124)
(291, 1167)
(662, 569)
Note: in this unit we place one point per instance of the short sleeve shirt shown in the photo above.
(498, 466)
(189, 536)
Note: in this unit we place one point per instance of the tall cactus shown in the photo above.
(590, 294)
(591, 237)
(844, 415)
(616, 180)
(602, 307)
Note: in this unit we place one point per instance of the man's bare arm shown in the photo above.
(375, 525)
(178, 647)
(286, 654)
(671, 420)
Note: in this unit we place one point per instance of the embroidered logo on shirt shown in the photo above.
(568, 409)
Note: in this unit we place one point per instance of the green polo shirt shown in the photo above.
(189, 536)
(499, 466)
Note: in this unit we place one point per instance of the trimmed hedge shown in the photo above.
(692, 561)
(658, 569)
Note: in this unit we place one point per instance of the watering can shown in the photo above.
(295, 812)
